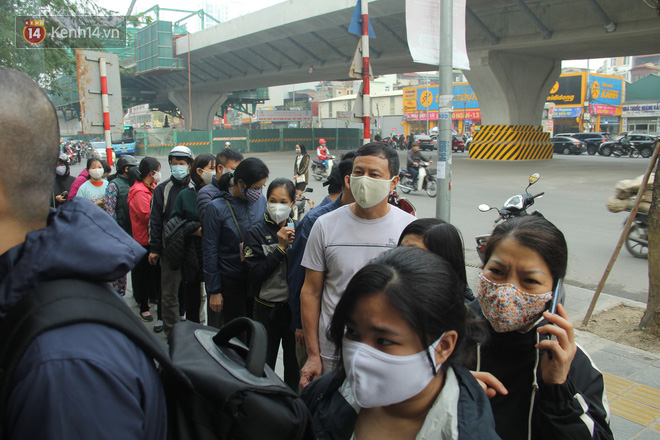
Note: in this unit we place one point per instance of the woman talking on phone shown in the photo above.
(541, 383)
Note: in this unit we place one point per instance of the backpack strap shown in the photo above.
(60, 303)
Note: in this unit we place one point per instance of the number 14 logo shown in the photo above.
(34, 31)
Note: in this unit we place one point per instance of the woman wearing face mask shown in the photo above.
(266, 248)
(301, 169)
(94, 188)
(145, 277)
(201, 172)
(238, 206)
(399, 329)
(63, 181)
(541, 384)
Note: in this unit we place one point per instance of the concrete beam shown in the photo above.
(204, 106)
(512, 88)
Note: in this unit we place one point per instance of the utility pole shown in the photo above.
(366, 103)
(445, 95)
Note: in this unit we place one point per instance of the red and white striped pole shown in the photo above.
(106, 111)
(366, 103)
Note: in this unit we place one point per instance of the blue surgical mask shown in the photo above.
(179, 172)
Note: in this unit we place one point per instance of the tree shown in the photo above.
(651, 318)
(54, 58)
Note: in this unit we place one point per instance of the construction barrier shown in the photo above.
(248, 141)
(511, 142)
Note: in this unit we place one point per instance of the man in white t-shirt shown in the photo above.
(342, 242)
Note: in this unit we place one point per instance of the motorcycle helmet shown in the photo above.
(182, 152)
(321, 141)
(125, 161)
(227, 144)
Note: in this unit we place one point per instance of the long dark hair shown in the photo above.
(446, 241)
(250, 171)
(200, 161)
(538, 234)
(303, 149)
(147, 165)
(422, 287)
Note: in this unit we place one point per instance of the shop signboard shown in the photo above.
(467, 114)
(641, 110)
(567, 90)
(600, 109)
(567, 112)
(422, 98)
(605, 90)
(284, 115)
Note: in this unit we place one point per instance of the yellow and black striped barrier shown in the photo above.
(252, 141)
(511, 142)
(188, 144)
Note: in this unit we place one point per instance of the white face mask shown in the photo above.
(369, 192)
(207, 176)
(157, 176)
(96, 173)
(380, 379)
(61, 170)
(278, 212)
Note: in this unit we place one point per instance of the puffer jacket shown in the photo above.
(221, 241)
(83, 380)
(577, 409)
(334, 418)
(266, 262)
(139, 204)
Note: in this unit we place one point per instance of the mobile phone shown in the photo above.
(558, 296)
(291, 225)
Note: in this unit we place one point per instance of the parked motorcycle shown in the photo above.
(299, 207)
(319, 170)
(617, 149)
(637, 241)
(401, 202)
(515, 206)
(425, 180)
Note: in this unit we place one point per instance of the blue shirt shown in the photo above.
(296, 275)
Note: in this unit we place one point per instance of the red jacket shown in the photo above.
(139, 204)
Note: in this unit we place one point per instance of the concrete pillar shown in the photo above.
(512, 90)
(204, 106)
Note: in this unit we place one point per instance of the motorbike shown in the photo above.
(425, 181)
(515, 206)
(637, 241)
(319, 170)
(400, 202)
(618, 149)
(299, 207)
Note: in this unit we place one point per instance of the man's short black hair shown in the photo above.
(227, 154)
(383, 151)
(30, 129)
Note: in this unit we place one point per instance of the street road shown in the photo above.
(576, 189)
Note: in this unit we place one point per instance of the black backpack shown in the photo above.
(216, 387)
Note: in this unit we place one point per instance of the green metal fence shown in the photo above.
(265, 140)
(237, 138)
(249, 141)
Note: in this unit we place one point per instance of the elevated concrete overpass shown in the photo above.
(515, 48)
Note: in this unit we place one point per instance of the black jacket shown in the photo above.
(415, 156)
(573, 410)
(62, 183)
(266, 263)
(162, 203)
(334, 418)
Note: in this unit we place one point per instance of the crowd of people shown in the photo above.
(380, 331)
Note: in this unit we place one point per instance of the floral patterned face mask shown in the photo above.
(508, 308)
